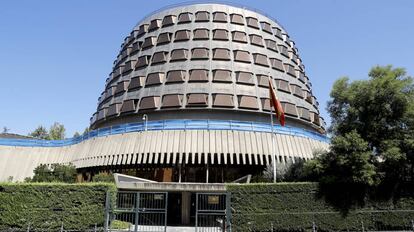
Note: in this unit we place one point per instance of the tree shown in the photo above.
(5, 130)
(103, 177)
(76, 134)
(372, 130)
(54, 173)
(57, 131)
(40, 132)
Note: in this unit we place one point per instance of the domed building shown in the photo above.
(188, 101)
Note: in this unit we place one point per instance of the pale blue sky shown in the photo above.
(56, 55)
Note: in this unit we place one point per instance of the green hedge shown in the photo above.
(296, 206)
(48, 205)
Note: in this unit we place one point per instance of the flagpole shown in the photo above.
(273, 146)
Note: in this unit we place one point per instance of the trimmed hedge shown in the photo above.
(296, 206)
(48, 205)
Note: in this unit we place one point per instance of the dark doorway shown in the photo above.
(174, 209)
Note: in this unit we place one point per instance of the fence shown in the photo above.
(169, 125)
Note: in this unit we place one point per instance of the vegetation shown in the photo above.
(54, 173)
(56, 132)
(298, 206)
(46, 206)
(104, 177)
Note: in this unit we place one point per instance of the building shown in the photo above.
(188, 101)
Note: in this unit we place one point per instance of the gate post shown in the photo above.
(228, 212)
(137, 198)
(166, 211)
(107, 209)
(196, 214)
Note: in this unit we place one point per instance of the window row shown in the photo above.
(202, 100)
(202, 75)
(204, 34)
(205, 16)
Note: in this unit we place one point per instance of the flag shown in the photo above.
(275, 103)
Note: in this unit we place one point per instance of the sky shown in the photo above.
(56, 55)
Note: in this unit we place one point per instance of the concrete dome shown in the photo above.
(207, 61)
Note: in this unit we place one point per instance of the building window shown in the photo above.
(296, 90)
(159, 57)
(256, 40)
(271, 44)
(201, 34)
(265, 104)
(220, 17)
(199, 75)
(128, 106)
(242, 56)
(172, 101)
(244, 78)
(263, 80)
(179, 54)
(154, 25)
(197, 99)
(143, 61)
(182, 35)
(221, 54)
(221, 75)
(282, 85)
(283, 50)
(266, 27)
(237, 19)
(252, 22)
(149, 42)
(184, 17)
(142, 30)
(290, 70)
(168, 20)
(220, 34)
(260, 59)
(176, 76)
(147, 103)
(155, 79)
(199, 54)
(202, 16)
(276, 64)
(239, 36)
(248, 102)
(289, 109)
(136, 82)
(164, 38)
(223, 100)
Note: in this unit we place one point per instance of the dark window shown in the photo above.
(242, 56)
(244, 78)
(237, 19)
(197, 99)
(149, 103)
(220, 34)
(179, 54)
(164, 38)
(219, 17)
(283, 85)
(159, 57)
(283, 50)
(239, 36)
(248, 102)
(198, 75)
(122, 87)
(256, 40)
(168, 20)
(155, 79)
(266, 27)
(136, 82)
(315, 118)
(199, 53)
(182, 35)
(223, 100)
(202, 16)
(184, 17)
(114, 109)
(290, 70)
(263, 80)
(221, 54)
(135, 47)
(128, 106)
(143, 61)
(176, 76)
(142, 30)
(296, 90)
(220, 75)
(271, 45)
(304, 113)
(276, 64)
(265, 104)
(289, 109)
(260, 59)
(154, 25)
(278, 32)
(252, 22)
(129, 66)
(200, 34)
(172, 101)
(149, 42)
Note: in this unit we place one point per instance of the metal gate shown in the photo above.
(212, 212)
(139, 211)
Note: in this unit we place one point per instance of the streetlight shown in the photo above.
(145, 119)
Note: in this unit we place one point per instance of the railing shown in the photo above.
(183, 124)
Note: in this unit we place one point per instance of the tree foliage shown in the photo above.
(56, 132)
(54, 173)
(40, 132)
(372, 131)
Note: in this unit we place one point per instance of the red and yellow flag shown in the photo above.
(275, 103)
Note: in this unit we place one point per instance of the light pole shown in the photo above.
(145, 119)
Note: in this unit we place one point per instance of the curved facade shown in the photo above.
(199, 73)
